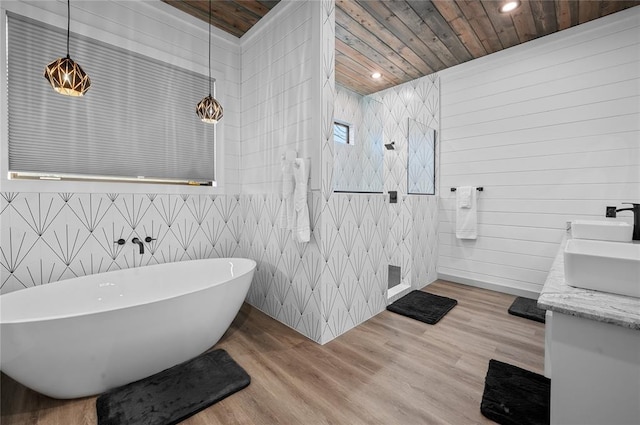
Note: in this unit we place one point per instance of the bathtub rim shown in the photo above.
(12, 321)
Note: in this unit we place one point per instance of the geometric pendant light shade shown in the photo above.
(209, 109)
(66, 76)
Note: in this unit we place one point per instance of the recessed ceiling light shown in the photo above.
(376, 75)
(509, 6)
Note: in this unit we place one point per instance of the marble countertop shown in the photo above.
(557, 296)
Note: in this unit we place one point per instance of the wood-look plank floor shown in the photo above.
(389, 370)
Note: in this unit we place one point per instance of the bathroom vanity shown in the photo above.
(592, 352)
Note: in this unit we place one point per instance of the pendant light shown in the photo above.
(66, 76)
(209, 109)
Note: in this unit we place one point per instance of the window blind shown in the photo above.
(137, 120)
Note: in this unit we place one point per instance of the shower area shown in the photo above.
(382, 209)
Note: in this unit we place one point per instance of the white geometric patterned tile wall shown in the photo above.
(424, 240)
(353, 245)
(48, 237)
(360, 235)
(327, 97)
(287, 281)
(322, 289)
(415, 224)
(419, 100)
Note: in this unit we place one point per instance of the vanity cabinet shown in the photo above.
(595, 368)
(592, 353)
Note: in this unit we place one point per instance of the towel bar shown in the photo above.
(479, 189)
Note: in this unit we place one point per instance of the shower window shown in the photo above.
(342, 133)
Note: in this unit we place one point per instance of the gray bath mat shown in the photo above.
(527, 308)
(515, 396)
(419, 305)
(174, 394)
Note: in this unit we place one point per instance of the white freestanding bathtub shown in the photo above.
(83, 336)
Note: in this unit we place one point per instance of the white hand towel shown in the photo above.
(302, 228)
(287, 212)
(467, 218)
(463, 196)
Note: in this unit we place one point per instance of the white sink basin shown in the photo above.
(603, 230)
(603, 266)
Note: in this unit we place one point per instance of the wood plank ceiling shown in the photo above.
(233, 16)
(408, 39)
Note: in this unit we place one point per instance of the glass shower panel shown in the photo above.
(421, 159)
(358, 165)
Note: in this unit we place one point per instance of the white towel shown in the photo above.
(466, 217)
(302, 228)
(463, 196)
(287, 212)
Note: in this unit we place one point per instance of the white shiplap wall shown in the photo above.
(551, 130)
(278, 66)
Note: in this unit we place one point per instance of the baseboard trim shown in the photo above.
(520, 292)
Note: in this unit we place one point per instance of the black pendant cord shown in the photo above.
(68, 23)
(209, 48)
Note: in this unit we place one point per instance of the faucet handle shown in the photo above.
(149, 239)
(120, 241)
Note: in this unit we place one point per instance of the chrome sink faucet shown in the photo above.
(612, 212)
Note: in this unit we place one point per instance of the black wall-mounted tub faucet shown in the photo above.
(612, 212)
(139, 243)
